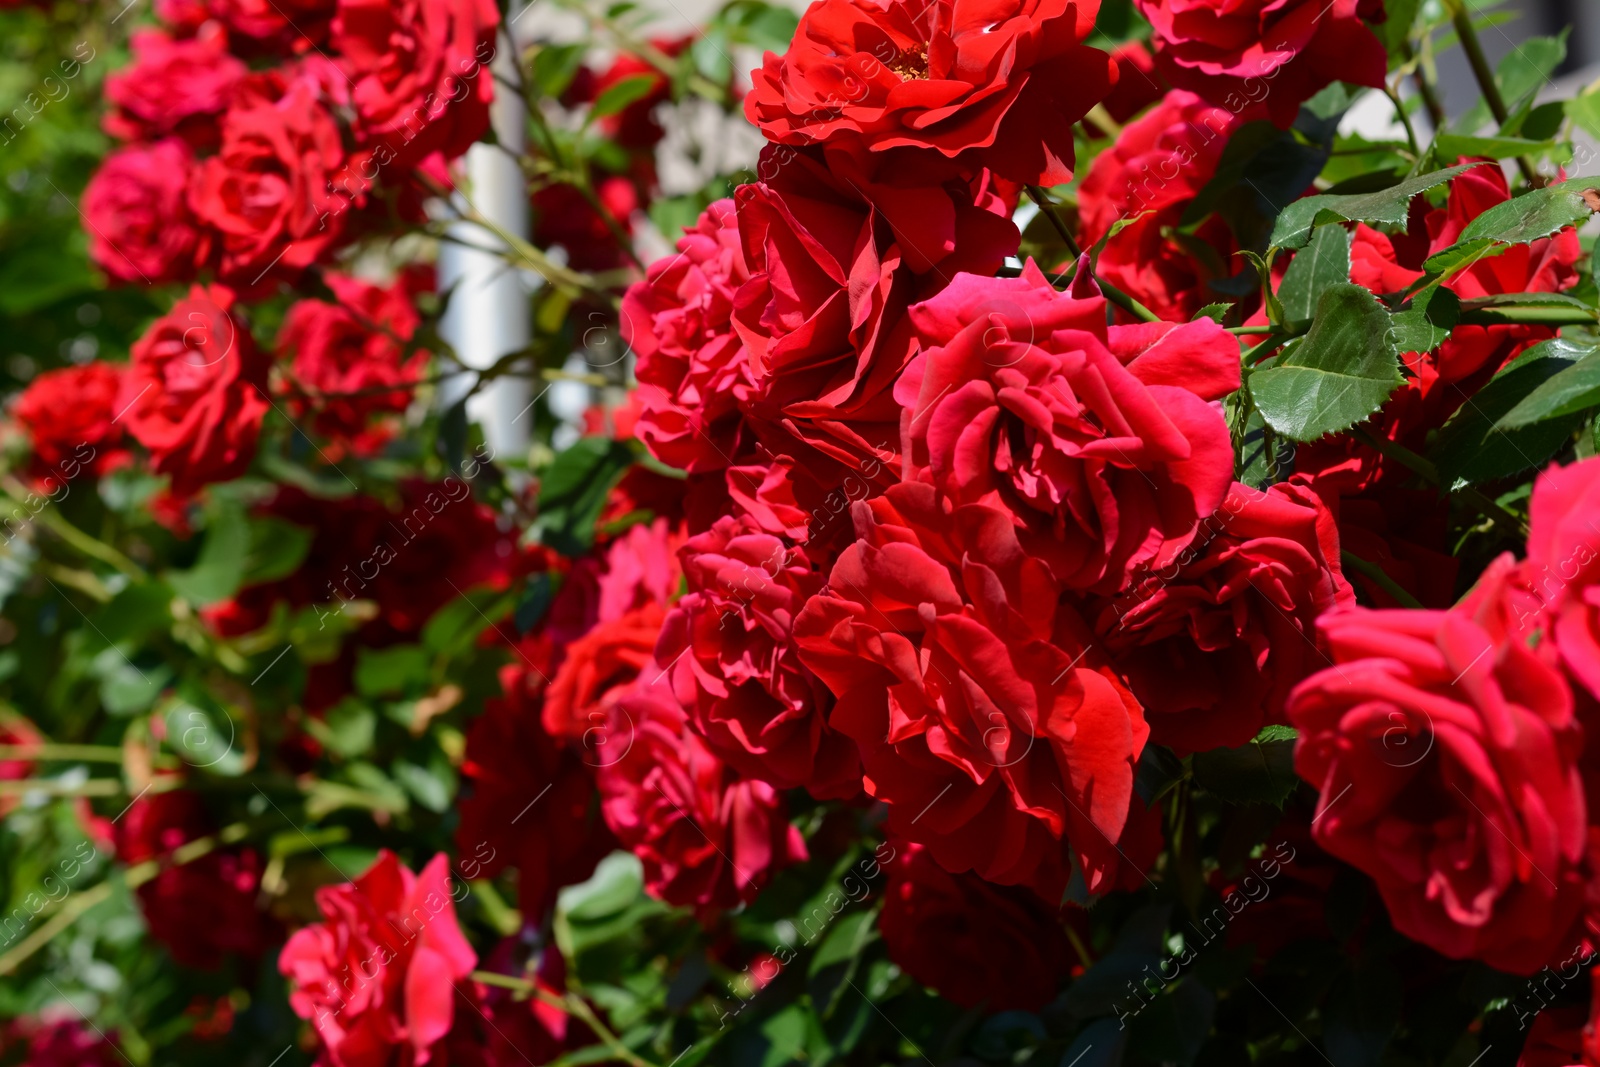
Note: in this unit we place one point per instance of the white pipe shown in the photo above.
(489, 314)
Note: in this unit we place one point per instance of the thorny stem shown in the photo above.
(1038, 196)
(1425, 88)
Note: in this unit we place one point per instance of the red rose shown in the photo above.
(71, 416)
(1212, 643)
(194, 392)
(274, 27)
(203, 910)
(533, 804)
(835, 259)
(706, 837)
(997, 947)
(354, 346)
(377, 976)
(986, 718)
(61, 1043)
(1265, 57)
(734, 666)
(1105, 446)
(1150, 176)
(995, 87)
(692, 369)
(136, 209)
(1139, 84)
(1446, 752)
(269, 191)
(172, 87)
(1563, 566)
(563, 216)
(15, 730)
(599, 668)
(420, 72)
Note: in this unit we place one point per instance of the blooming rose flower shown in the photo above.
(268, 192)
(706, 837)
(172, 87)
(1107, 449)
(194, 393)
(137, 212)
(533, 804)
(997, 947)
(692, 368)
(1446, 751)
(1266, 57)
(409, 561)
(258, 27)
(1150, 176)
(600, 667)
(356, 345)
(734, 666)
(835, 258)
(1139, 84)
(986, 717)
(1212, 643)
(203, 910)
(995, 87)
(1563, 566)
(563, 216)
(70, 416)
(377, 976)
(59, 1043)
(420, 70)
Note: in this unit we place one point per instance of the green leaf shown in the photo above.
(382, 671)
(433, 785)
(618, 96)
(1528, 218)
(1342, 371)
(456, 625)
(1396, 28)
(1325, 263)
(1427, 323)
(573, 490)
(219, 570)
(203, 735)
(1388, 206)
(1585, 113)
(348, 728)
(555, 65)
(1472, 447)
(1455, 146)
(1261, 772)
(277, 548)
(1572, 389)
(1217, 313)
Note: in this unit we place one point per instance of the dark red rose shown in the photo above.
(356, 345)
(734, 666)
(194, 393)
(706, 837)
(1446, 751)
(136, 209)
(261, 27)
(1139, 84)
(1264, 58)
(61, 1043)
(420, 70)
(509, 1028)
(533, 804)
(996, 87)
(692, 368)
(377, 977)
(1105, 446)
(986, 717)
(835, 258)
(70, 416)
(173, 87)
(409, 560)
(1212, 643)
(203, 910)
(996, 947)
(599, 668)
(1150, 176)
(269, 193)
(563, 216)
